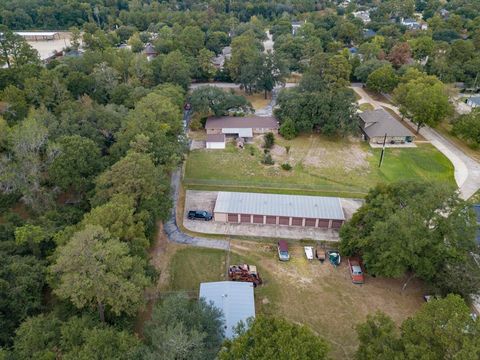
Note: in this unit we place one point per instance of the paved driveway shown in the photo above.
(467, 170)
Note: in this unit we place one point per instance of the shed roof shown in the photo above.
(235, 299)
(379, 122)
(301, 206)
(242, 122)
(475, 100)
(215, 138)
(36, 33)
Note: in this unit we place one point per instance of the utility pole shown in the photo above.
(382, 155)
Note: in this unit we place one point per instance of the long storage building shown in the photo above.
(276, 209)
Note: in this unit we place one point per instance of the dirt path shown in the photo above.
(157, 255)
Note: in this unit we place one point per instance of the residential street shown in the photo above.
(467, 170)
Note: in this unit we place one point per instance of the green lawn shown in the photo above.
(191, 266)
(320, 167)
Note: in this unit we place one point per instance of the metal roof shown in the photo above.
(379, 122)
(242, 132)
(36, 33)
(315, 207)
(235, 299)
(475, 100)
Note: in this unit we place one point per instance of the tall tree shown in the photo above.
(270, 338)
(14, 50)
(184, 329)
(21, 283)
(425, 100)
(95, 269)
(442, 329)
(76, 162)
(410, 226)
(383, 79)
(272, 72)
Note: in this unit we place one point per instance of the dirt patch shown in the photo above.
(323, 297)
(352, 158)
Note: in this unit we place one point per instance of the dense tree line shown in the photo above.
(418, 228)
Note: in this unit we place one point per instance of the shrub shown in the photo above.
(288, 130)
(269, 140)
(267, 159)
(286, 166)
(287, 149)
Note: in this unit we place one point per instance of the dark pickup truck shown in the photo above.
(199, 215)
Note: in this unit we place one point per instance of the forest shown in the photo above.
(88, 142)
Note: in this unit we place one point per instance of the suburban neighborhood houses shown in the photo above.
(239, 180)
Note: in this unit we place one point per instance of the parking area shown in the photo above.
(205, 200)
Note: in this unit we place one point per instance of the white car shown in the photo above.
(308, 252)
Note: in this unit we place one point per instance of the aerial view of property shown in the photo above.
(257, 180)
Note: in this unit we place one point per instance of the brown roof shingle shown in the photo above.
(254, 122)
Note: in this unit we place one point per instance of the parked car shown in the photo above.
(199, 215)
(282, 248)
(356, 271)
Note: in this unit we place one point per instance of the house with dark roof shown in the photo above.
(377, 124)
(218, 129)
(150, 51)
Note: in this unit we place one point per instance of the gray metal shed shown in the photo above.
(235, 299)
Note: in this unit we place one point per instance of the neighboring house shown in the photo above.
(235, 299)
(150, 52)
(227, 52)
(215, 141)
(277, 209)
(376, 124)
(218, 61)
(363, 15)
(244, 127)
(413, 24)
(473, 101)
(295, 26)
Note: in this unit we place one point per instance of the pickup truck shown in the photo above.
(199, 215)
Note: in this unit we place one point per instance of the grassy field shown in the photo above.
(365, 106)
(320, 166)
(304, 292)
(257, 100)
(445, 129)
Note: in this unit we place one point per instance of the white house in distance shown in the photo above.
(235, 299)
(363, 15)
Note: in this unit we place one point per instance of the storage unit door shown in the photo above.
(297, 221)
(283, 220)
(258, 219)
(271, 220)
(323, 223)
(310, 222)
(336, 224)
(233, 218)
(245, 218)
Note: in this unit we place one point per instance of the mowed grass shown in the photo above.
(320, 166)
(302, 291)
(191, 266)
